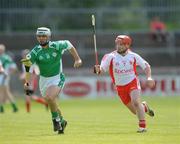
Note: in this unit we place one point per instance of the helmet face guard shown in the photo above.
(43, 31)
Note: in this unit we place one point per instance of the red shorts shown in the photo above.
(124, 91)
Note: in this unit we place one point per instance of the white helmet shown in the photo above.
(43, 31)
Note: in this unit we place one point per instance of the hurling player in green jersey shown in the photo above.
(7, 67)
(48, 56)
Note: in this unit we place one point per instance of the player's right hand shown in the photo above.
(97, 69)
(77, 63)
(150, 82)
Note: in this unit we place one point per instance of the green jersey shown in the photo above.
(6, 60)
(49, 60)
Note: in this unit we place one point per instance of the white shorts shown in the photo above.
(4, 80)
(45, 82)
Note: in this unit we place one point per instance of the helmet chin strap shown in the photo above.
(122, 52)
(44, 44)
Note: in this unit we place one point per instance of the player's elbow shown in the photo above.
(147, 68)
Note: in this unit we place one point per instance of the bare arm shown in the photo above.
(150, 82)
(77, 59)
(148, 71)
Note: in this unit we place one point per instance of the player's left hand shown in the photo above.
(77, 63)
(150, 82)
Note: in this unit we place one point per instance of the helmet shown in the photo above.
(124, 38)
(43, 31)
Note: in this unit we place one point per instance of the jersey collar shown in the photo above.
(50, 43)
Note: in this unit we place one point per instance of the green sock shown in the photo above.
(1, 108)
(60, 115)
(14, 106)
(54, 115)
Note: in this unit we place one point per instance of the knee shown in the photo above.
(49, 98)
(136, 104)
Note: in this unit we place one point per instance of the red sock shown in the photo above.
(28, 105)
(145, 108)
(39, 100)
(142, 123)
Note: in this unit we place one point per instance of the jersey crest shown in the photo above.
(54, 54)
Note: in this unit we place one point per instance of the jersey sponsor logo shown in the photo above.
(118, 71)
(77, 89)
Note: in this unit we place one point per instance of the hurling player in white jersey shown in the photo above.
(47, 55)
(121, 65)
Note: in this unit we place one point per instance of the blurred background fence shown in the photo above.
(69, 19)
(72, 20)
(60, 15)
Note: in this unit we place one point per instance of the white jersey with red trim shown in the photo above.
(122, 69)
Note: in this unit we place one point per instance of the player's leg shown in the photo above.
(131, 107)
(36, 98)
(128, 102)
(147, 109)
(125, 98)
(136, 102)
(2, 98)
(39, 100)
(10, 97)
(28, 104)
(51, 96)
(1, 101)
(1, 108)
(7, 94)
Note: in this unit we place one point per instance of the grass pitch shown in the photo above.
(102, 121)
